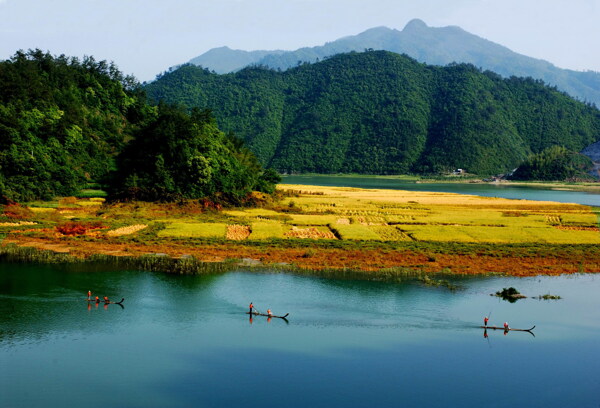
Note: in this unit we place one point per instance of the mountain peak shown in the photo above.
(415, 24)
(380, 29)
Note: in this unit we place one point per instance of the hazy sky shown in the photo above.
(145, 37)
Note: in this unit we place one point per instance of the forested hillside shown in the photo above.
(382, 113)
(65, 123)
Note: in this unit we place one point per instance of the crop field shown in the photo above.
(356, 232)
(310, 233)
(130, 229)
(388, 215)
(326, 213)
(310, 219)
(252, 213)
(262, 230)
(237, 232)
(194, 230)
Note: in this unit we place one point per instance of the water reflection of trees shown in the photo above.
(38, 301)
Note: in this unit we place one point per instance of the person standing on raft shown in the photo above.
(485, 321)
(89, 294)
(251, 307)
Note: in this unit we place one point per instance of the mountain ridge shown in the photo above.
(431, 45)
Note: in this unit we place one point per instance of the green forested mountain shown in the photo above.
(431, 45)
(64, 122)
(381, 113)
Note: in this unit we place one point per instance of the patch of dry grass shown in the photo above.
(237, 232)
(310, 233)
(131, 229)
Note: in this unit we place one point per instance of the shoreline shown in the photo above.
(371, 263)
(552, 185)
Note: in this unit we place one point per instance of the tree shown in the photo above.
(185, 155)
(554, 163)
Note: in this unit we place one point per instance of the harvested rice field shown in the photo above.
(388, 215)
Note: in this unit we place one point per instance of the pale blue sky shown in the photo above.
(145, 37)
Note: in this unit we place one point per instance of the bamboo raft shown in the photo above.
(107, 303)
(264, 314)
(504, 329)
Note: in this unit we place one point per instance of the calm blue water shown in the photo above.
(187, 342)
(480, 189)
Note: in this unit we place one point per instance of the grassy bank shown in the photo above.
(192, 266)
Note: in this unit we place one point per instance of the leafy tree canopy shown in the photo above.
(185, 155)
(554, 163)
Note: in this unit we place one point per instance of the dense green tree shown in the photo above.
(554, 163)
(185, 155)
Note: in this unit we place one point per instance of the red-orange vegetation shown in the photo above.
(77, 228)
(334, 258)
(16, 211)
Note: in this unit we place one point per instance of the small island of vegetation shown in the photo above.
(88, 167)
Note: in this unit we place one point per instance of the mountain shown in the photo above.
(431, 45)
(379, 112)
(223, 59)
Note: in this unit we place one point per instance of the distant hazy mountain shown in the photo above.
(223, 59)
(432, 45)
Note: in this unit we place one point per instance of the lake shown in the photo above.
(504, 190)
(185, 341)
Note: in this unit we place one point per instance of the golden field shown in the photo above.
(391, 215)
